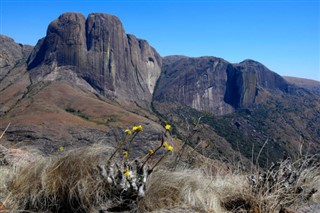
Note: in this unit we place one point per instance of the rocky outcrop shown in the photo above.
(11, 54)
(195, 82)
(248, 81)
(98, 50)
(214, 85)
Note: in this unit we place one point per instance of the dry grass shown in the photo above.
(11, 162)
(69, 182)
(72, 182)
(192, 189)
(287, 185)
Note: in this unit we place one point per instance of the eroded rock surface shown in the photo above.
(97, 48)
(214, 85)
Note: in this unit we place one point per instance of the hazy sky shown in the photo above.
(283, 35)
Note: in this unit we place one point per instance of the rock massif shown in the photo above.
(214, 85)
(245, 104)
(87, 77)
(97, 48)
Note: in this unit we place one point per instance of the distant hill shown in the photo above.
(305, 83)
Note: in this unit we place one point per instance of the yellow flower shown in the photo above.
(170, 148)
(168, 127)
(128, 131)
(137, 128)
(127, 173)
(61, 148)
(151, 152)
(165, 145)
(125, 154)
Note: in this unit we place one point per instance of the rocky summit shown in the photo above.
(214, 85)
(87, 80)
(99, 51)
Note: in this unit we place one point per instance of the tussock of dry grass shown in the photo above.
(11, 161)
(191, 188)
(296, 184)
(229, 192)
(70, 182)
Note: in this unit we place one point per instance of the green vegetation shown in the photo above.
(77, 113)
(105, 120)
(275, 128)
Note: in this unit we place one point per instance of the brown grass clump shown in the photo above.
(11, 162)
(188, 188)
(287, 186)
(68, 182)
(234, 192)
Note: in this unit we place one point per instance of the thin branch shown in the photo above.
(5, 130)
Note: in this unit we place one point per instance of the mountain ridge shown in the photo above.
(88, 77)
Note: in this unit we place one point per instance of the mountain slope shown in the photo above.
(304, 83)
(49, 114)
(51, 94)
(245, 105)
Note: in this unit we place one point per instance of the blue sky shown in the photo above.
(283, 35)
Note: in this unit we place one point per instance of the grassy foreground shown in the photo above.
(99, 179)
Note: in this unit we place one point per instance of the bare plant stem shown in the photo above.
(122, 144)
(257, 159)
(4, 131)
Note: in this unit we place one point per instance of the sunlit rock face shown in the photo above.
(99, 51)
(214, 85)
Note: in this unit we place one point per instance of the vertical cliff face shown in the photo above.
(199, 83)
(265, 78)
(98, 50)
(253, 79)
(213, 85)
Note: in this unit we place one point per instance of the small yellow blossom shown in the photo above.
(127, 173)
(151, 152)
(137, 128)
(125, 154)
(168, 127)
(170, 148)
(128, 131)
(61, 148)
(165, 145)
